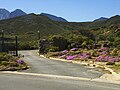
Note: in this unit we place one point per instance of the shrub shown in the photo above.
(70, 57)
(13, 64)
(53, 49)
(5, 63)
(64, 51)
(59, 41)
(74, 49)
(114, 52)
(6, 57)
(20, 61)
(53, 54)
(94, 53)
(9, 62)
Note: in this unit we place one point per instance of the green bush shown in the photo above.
(13, 64)
(114, 52)
(94, 53)
(6, 57)
(53, 49)
(5, 63)
(59, 41)
(53, 54)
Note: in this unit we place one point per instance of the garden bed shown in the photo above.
(11, 63)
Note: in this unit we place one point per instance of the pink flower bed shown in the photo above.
(103, 55)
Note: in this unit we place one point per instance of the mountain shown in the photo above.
(16, 13)
(113, 20)
(4, 14)
(31, 23)
(28, 25)
(105, 23)
(26, 28)
(53, 17)
(101, 19)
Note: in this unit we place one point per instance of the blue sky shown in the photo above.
(72, 10)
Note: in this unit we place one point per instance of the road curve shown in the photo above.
(46, 66)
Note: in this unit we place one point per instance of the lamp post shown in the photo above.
(2, 41)
(38, 35)
(38, 43)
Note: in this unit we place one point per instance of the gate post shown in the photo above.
(16, 45)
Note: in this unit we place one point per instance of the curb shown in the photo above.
(47, 76)
(60, 77)
(113, 77)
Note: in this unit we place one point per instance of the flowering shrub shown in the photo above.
(104, 49)
(74, 49)
(108, 59)
(20, 61)
(65, 51)
(63, 57)
(100, 55)
(85, 56)
(11, 63)
(70, 57)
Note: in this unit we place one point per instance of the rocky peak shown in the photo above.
(17, 12)
(4, 14)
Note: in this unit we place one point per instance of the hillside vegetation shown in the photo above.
(27, 27)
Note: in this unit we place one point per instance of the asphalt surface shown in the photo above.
(46, 74)
(26, 82)
(53, 67)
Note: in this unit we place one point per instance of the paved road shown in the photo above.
(26, 82)
(54, 67)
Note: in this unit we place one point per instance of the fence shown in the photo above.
(8, 44)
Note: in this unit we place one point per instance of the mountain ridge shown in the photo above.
(101, 19)
(5, 14)
(16, 13)
(53, 17)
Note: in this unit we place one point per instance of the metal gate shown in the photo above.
(8, 44)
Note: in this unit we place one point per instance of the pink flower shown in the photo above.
(70, 57)
(74, 49)
(104, 49)
(65, 51)
(20, 61)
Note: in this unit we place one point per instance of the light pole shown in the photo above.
(38, 35)
(38, 43)
(2, 41)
